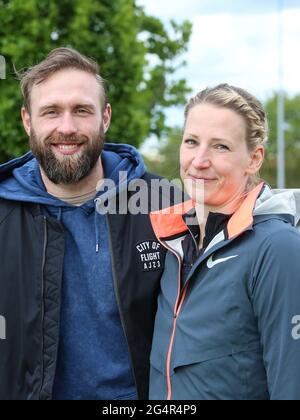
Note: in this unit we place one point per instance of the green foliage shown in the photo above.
(292, 141)
(166, 162)
(135, 52)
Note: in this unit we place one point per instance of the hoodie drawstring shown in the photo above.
(97, 236)
(59, 215)
(97, 232)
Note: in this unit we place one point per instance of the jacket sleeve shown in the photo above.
(276, 303)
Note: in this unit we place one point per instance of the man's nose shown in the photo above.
(67, 125)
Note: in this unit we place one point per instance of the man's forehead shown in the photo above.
(64, 80)
(71, 101)
(67, 87)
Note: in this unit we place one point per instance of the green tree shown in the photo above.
(136, 53)
(166, 161)
(292, 141)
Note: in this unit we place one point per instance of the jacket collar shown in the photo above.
(169, 222)
(243, 217)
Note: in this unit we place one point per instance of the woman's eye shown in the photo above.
(190, 142)
(221, 147)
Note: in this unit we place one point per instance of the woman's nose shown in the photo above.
(201, 160)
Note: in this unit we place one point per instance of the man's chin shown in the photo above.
(67, 169)
(65, 176)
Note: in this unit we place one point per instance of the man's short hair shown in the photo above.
(59, 59)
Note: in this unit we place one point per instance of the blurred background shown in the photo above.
(155, 54)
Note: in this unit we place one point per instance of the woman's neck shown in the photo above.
(228, 207)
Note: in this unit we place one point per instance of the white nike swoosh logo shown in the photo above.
(211, 263)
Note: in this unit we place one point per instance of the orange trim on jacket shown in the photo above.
(169, 222)
(243, 217)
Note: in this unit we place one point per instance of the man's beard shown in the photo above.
(67, 169)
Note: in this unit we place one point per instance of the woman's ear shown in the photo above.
(256, 160)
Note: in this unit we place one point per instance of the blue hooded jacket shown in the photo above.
(93, 359)
(231, 331)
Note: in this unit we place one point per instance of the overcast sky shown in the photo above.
(236, 41)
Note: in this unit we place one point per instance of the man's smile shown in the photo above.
(67, 148)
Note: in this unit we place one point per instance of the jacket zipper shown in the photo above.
(179, 302)
(118, 300)
(43, 305)
(178, 305)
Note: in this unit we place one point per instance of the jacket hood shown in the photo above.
(274, 203)
(20, 179)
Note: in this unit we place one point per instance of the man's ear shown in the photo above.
(256, 160)
(106, 117)
(26, 120)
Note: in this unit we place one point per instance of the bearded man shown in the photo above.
(77, 302)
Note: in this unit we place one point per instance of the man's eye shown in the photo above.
(82, 111)
(50, 112)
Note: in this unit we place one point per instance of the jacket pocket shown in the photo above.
(200, 355)
(225, 373)
(186, 356)
(158, 361)
(220, 374)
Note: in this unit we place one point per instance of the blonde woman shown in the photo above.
(227, 325)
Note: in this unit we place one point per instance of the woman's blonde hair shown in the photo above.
(241, 102)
